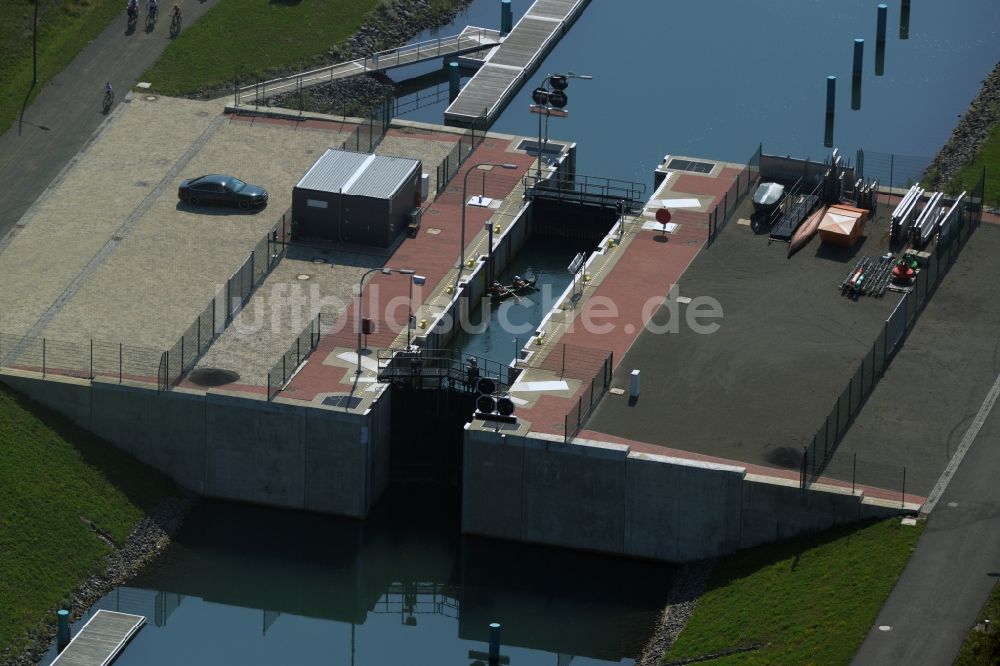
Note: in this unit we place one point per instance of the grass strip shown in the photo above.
(55, 479)
(987, 156)
(982, 646)
(65, 27)
(810, 600)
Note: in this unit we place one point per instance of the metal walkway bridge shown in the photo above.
(588, 191)
(101, 639)
(470, 40)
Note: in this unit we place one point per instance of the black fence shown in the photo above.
(369, 133)
(592, 393)
(890, 169)
(216, 316)
(87, 359)
(285, 367)
(440, 369)
(724, 208)
(457, 156)
(817, 456)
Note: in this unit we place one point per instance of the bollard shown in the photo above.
(880, 40)
(506, 17)
(62, 629)
(904, 20)
(859, 58)
(494, 643)
(454, 81)
(831, 96)
(633, 384)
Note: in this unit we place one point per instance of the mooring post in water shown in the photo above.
(506, 17)
(904, 20)
(831, 98)
(454, 81)
(859, 59)
(880, 40)
(494, 643)
(62, 629)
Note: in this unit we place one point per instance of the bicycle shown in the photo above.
(109, 99)
(151, 14)
(175, 25)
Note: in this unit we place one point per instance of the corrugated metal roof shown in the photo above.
(358, 174)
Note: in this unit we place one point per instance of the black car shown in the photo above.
(219, 188)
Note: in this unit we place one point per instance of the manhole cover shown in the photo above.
(302, 276)
(318, 260)
(952, 505)
(784, 456)
(884, 627)
(212, 377)
(434, 211)
(150, 98)
(141, 183)
(433, 231)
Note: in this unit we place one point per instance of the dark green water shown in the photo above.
(249, 585)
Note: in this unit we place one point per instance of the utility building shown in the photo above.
(357, 198)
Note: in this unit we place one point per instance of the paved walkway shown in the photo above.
(952, 571)
(66, 113)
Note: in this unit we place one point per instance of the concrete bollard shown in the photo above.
(904, 20)
(506, 17)
(494, 643)
(831, 97)
(62, 629)
(633, 384)
(454, 81)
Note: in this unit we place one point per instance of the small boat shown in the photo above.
(767, 197)
(518, 287)
(806, 231)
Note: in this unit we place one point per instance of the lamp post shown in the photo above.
(549, 100)
(465, 182)
(361, 302)
(489, 252)
(414, 280)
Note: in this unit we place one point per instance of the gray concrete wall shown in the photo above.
(607, 498)
(276, 453)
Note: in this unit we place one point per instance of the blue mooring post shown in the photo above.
(454, 82)
(506, 17)
(831, 98)
(904, 20)
(859, 59)
(494, 643)
(880, 40)
(62, 629)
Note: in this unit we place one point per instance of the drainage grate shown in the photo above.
(345, 401)
(689, 165)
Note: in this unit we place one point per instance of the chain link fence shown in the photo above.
(817, 456)
(285, 367)
(890, 169)
(459, 153)
(87, 360)
(574, 361)
(724, 208)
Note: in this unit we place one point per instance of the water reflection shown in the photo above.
(251, 585)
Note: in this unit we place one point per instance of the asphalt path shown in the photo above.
(953, 569)
(67, 112)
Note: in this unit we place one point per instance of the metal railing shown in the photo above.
(585, 189)
(724, 207)
(88, 359)
(890, 169)
(381, 60)
(285, 367)
(440, 368)
(592, 393)
(216, 316)
(817, 455)
(460, 152)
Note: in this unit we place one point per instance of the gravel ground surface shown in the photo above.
(149, 538)
(689, 584)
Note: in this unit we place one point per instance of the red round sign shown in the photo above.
(663, 216)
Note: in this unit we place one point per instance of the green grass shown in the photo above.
(64, 28)
(53, 476)
(811, 599)
(253, 36)
(981, 649)
(988, 156)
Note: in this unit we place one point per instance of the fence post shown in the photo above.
(802, 467)
(43, 357)
(121, 365)
(854, 472)
(92, 358)
(199, 333)
(902, 502)
(268, 385)
(563, 371)
(182, 353)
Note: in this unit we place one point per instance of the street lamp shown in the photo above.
(418, 280)
(361, 302)
(465, 182)
(549, 100)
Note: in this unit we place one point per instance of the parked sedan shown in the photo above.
(219, 188)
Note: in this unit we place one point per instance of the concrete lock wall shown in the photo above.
(606, 498)
(231, 447)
